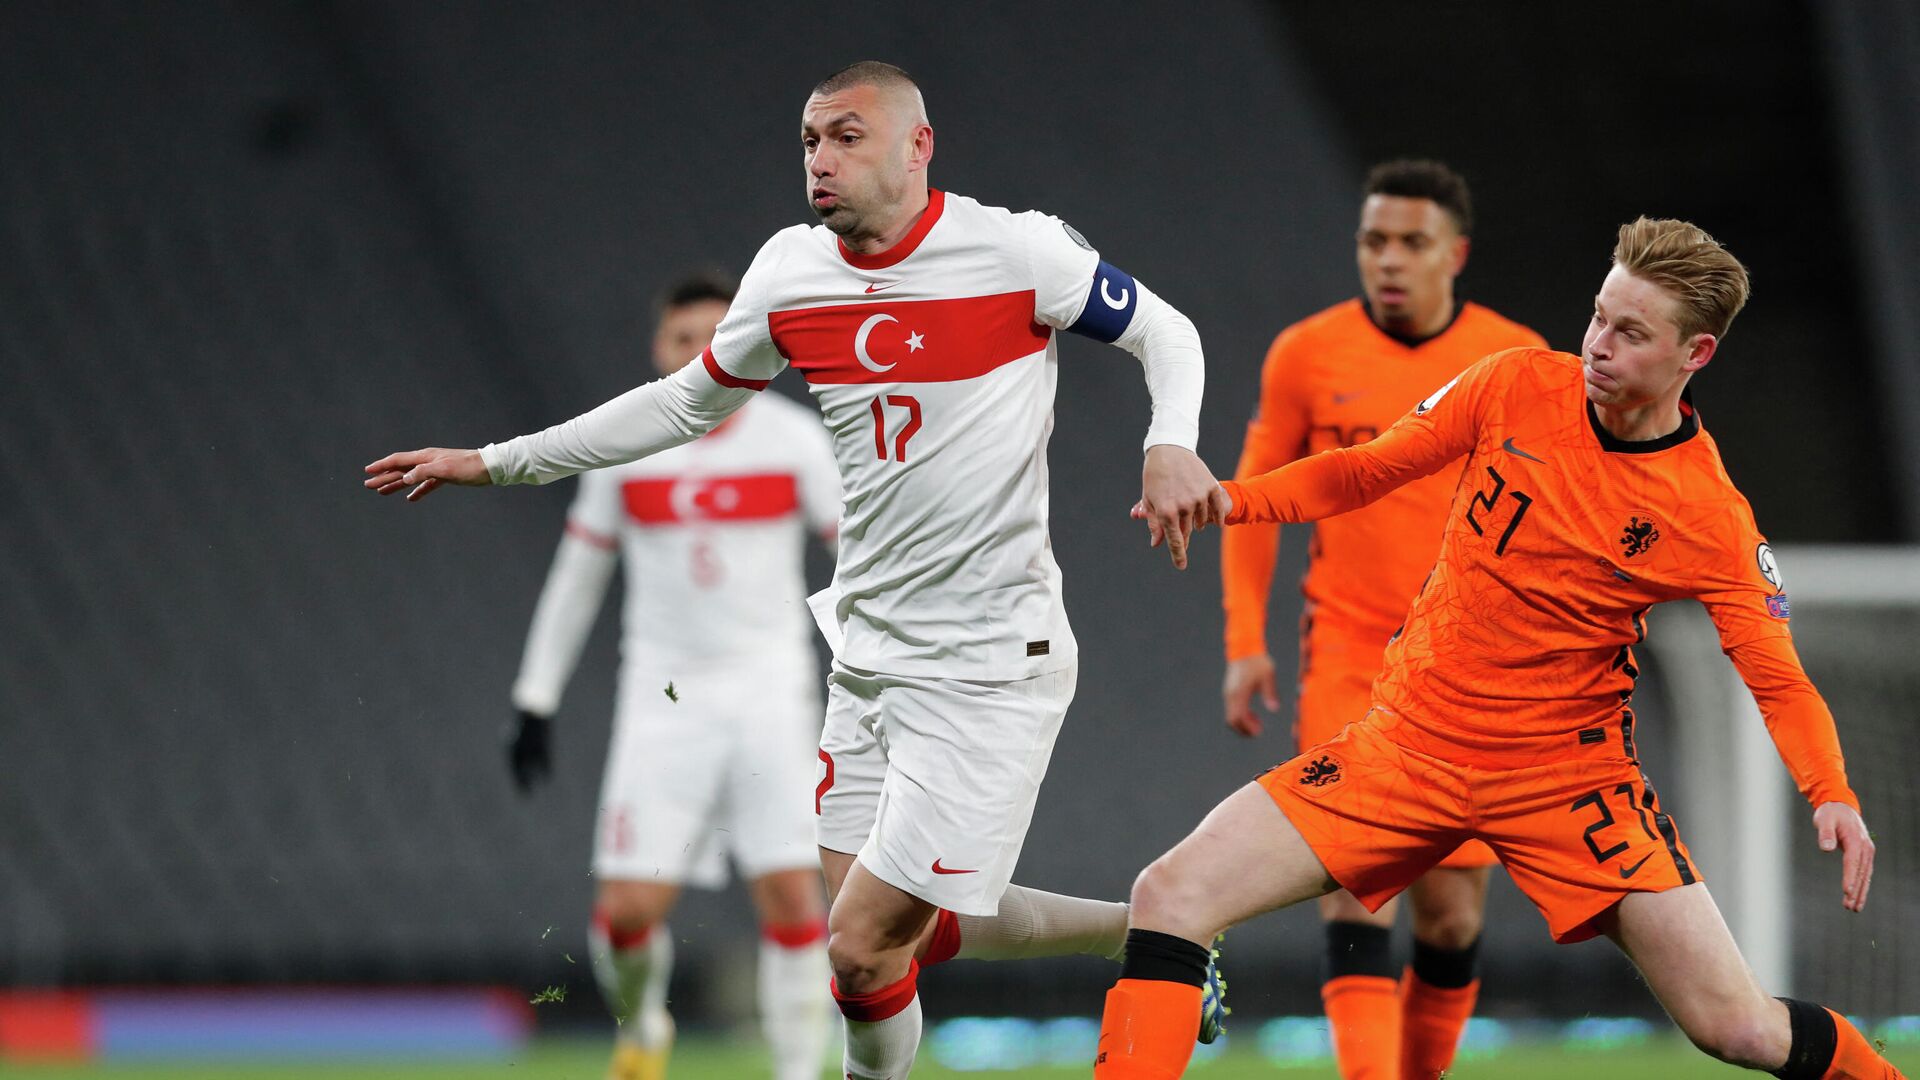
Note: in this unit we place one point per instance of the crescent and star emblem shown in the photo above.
(914, 343)
(693, 498)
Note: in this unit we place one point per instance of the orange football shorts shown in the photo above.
(1572, 819)
(1336, 688)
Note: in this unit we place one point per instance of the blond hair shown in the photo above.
(1707, 281)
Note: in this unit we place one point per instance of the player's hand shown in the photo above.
(530, 752)
(1245, 676)
(424, 470)
(1178, 495)
(1840, 826)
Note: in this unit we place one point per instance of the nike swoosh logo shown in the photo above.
(1517, 452)
(877, 288)
(1629, 871)
(938, 869)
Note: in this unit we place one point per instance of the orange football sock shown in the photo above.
(1148, 1030)
(1431, 1020)
(1854, 1058)
(1365, 1015)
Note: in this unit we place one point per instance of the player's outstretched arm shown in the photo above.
(645, 420)
(1840, 826)
(424, 470)
(1441, 430)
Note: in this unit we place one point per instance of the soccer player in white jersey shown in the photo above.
(704, 764)
(925, 324)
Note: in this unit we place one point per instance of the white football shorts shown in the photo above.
(726, 770)
(932, 782)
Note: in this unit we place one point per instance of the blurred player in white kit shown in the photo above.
(712, 536)
(924, 323)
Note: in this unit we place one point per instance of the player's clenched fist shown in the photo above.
(1178, 495)
(424, 470)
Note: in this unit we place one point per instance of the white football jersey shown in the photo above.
(934, 366)
(712, 534)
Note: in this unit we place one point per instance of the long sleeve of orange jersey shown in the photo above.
(1276, 435)
(1440, 430)
(1797, 718)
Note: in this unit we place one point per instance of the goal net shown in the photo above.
(1856, 624)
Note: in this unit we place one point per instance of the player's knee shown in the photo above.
(1452, 927)
(860, 963)
(628, 911)
(789, 898)
(1738, 1039)
(1164, 897)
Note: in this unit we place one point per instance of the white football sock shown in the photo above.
(796, 1010)
(634, 983)
(883, 1033)
(1032, 923)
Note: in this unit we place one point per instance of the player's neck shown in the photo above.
(912, 210)
(1415, 332)
(1433, 323)
(1641, 423)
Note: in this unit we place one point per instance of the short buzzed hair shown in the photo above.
(1709, 283)
(875, 73)
(693, 288)
(1418, 178)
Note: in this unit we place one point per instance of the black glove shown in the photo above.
(529, 753)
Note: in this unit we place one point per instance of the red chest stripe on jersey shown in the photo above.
(682, 500)
(909, 341)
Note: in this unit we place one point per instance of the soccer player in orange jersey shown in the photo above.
(1335, 379)
(1591, 492)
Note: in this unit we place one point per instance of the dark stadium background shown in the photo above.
(250, 716)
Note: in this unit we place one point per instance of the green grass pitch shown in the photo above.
(715, 1060)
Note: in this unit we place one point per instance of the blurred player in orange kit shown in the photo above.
(1339, 378)
(1503, 711)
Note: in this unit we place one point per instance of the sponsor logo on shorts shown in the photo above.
(1320, 772)
(938, 869)
(1628, 871)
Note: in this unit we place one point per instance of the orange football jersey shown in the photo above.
(1558, 540)
(1331, 380)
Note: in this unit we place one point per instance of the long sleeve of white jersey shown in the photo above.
(561, 622)
(1168, 348)
(571, 597)
(666, 412)
(645, 420)
(1077, 291)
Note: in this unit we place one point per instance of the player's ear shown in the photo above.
(1699, 351)
(919, 147)
(1461, 245)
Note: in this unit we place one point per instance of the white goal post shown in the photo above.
(1735, 803)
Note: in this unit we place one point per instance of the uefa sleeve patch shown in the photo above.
(1777, 605)
(1111, 300)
